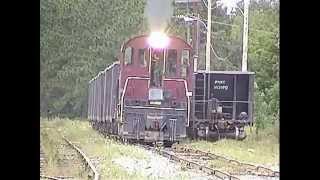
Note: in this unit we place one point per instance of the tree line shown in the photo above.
(79, 38)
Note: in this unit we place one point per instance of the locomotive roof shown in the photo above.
(145, 36)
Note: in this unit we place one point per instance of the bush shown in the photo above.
(267, 109)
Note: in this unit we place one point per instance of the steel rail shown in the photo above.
(56, 177)
(270, 172)
(190, 164)
(194, 165)
(49, 177)
(84, 158)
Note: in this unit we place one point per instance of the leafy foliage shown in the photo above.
(263, 56)
(78, 38)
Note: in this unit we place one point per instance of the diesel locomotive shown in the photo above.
(145, 95)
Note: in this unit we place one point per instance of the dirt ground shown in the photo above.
(158, 167)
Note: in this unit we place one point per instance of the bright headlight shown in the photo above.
(158, 40)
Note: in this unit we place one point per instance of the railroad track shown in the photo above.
(203, 161)
(238, 168)
(88, 164)
(62, 162)
(192, 163)
(56, 177)
(69, 155)
(42, 161)
(169, 153)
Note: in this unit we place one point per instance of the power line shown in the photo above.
(207, 5)
(226, 24)
(218, 57)
(233, 25)
(240, 10)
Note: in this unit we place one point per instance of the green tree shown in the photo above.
(263, 51)
(263, 57)
(79, 38)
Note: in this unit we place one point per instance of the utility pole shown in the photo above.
(245, 36)
(188, 25)
(208, 37)
(196, 43)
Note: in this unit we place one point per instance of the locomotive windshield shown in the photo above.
(128, 55)
(184, 63)
(142, 57)
(156, 68)
(171, 63)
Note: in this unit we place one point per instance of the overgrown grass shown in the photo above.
(93, 144)
(262, 149)
(50, 142)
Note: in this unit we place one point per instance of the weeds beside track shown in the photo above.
(241, 167)
(66, 161)
(85, 160)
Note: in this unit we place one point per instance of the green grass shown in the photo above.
(50, 141)
(93, 144)
(262, 149)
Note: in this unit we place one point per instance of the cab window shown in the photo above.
(171, 63)
(184, 63)
(128, 54)
(143, 57)
(156, 68)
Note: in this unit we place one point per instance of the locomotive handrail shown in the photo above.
(188, 98)
(145, 113)
(145, 78)
(161, 108)
(124, 91)
(223, 101)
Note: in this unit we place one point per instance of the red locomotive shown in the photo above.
(145, 95)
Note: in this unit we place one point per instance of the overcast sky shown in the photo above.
(229, 4)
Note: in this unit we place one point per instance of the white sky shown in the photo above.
(229, 4)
